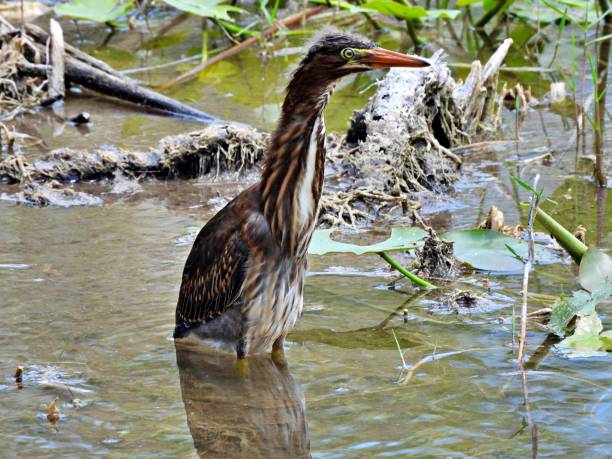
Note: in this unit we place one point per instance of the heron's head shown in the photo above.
(338, 54)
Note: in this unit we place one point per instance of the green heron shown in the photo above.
(243, 281)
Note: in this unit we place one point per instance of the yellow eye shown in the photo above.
(347, 54)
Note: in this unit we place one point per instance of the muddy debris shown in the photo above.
(399, 146)
(495, 221)
(217, 149)
(436, 258)
(53, 412)
(19, 377)
(461, 302)
(124, 185)
(213, 150)
(54, 193)
(580, 234)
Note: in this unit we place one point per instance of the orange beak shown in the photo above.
(383, 58)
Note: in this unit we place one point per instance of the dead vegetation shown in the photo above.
(401, 143)
(36, 67)
(436, 258)
(216, 149)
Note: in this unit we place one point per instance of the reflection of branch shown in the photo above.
(533, 203)
(541, 352)
(530, 423)
(430, 358)
(413, 299)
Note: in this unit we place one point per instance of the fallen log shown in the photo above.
(79, 69)
(216, 149)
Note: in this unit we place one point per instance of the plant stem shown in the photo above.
(565, 239)
(600, 106)
(499, 6)
(414, 278)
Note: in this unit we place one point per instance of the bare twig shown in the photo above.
(600, 106)
(55, 56)
(533, 204)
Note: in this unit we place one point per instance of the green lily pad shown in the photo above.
(487, 250)
(401, 239)
(579, 304)
(95, 10)
(595, 269)
(587, 340)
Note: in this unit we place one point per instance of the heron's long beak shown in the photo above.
(382, 58)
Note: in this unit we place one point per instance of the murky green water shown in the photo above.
(87, 299)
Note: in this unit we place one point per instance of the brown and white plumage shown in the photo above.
(243, 280)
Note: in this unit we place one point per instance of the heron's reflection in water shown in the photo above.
(257, 412)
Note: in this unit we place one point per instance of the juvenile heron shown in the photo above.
(243, 281)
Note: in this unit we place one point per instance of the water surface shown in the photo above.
(87, 298)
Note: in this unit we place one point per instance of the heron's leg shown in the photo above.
(241, 361)
(278, 352)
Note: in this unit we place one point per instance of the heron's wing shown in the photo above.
(213, 275)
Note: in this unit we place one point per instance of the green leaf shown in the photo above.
(579, 304)
(206, 8)
(598, 39)
(467, 2)
(400, 239)
(575, 4)
(595, 270)
(488, 5)
(488, 250)
(95, 10)
(395, 9)
(527, 12)
(586, 340)
(482, 249)
(606, 339)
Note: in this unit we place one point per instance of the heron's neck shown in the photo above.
(292, 179)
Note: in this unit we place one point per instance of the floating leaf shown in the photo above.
(488, 250)
(95, 10)
(205, 8)
(401, 239)
(586, 340)
(595, 269)
(579, 304)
